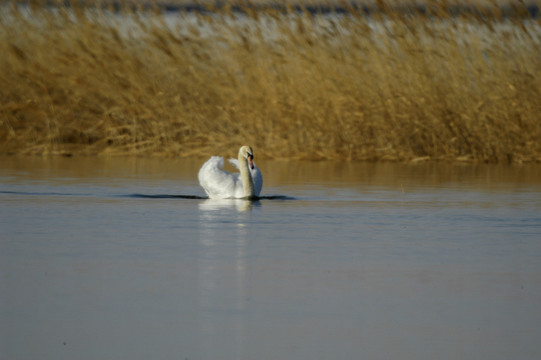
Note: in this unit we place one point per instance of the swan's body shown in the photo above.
(221, 184)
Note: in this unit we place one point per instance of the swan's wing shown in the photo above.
(235, 163)
(216, 182)
(257, 177)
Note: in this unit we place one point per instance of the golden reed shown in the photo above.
(394, 86)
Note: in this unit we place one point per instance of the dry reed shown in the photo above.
(393, 86)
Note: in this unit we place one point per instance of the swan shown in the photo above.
(221, 184)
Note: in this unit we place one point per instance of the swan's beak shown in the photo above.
(251, 161)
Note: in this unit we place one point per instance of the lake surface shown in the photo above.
(101, 259)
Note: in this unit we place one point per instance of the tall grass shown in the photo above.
(392, 86)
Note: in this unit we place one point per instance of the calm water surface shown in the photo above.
(360, 261)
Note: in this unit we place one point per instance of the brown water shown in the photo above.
(102, 259)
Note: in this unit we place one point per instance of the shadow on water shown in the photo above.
(145, 196)
(166, 196)
(35, 193)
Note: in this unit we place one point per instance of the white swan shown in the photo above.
(221, 184)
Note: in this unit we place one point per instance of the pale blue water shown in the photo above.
(360, 261)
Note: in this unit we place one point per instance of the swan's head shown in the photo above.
(247, 153)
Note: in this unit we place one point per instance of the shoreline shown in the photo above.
(488, 9)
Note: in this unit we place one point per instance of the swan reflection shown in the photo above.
(240, 205)
(223, 287)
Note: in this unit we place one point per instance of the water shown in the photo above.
(102, 259)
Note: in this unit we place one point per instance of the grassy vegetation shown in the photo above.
(293, 85)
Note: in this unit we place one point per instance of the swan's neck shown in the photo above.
(246, 177)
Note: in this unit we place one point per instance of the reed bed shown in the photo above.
(391, 86)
